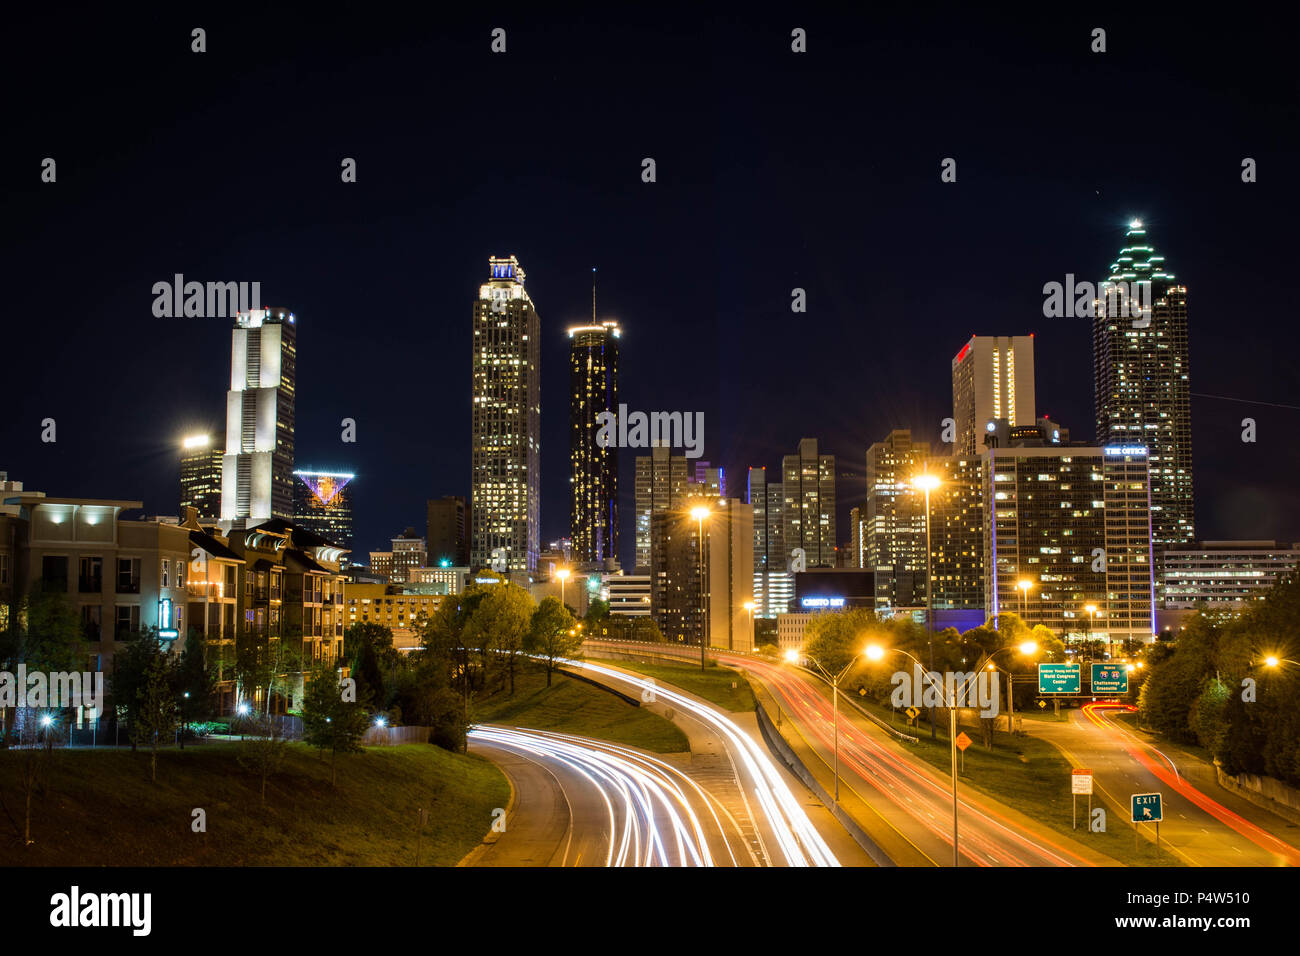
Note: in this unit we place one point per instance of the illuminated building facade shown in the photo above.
(661, 483)
(1224, 575)
(1074, 522)
(322, 503)
(505, 425)
(773, 582)
(201, 477)
(1142, 385)
(257, 467)
(593, 478)
(808, 510)
(894, 538)
(957, 532)
(992, 378)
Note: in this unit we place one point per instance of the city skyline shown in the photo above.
(702, 314)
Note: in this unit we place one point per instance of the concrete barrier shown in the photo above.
(1264, 792)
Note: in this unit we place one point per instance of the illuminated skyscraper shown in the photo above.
(201, 477)
(895, 521)
(1143, 393)
(808, 514)
(323, 505)
(593, 389)
(661, 485)
(992, 378)
(257, 468)
(773, 582)
(505, 427)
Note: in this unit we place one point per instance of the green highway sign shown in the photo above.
(1109, 679)
(1058, 678)
(1146, 808)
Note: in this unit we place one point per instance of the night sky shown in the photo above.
(775, 170)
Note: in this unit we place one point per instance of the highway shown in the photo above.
(1223, 830)
(585, 802)
(908, 804)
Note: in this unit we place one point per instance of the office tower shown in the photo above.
(773, 582)
(661, 481)
(895, 519)
(593, 389)
(1073, 524)
(992, 378)
(257, 468)
(696, 596)
(1143, 393)
(201, 477)
(957, 532)
(323, 505)
(808, 512)
(855, 551)
(505, 427)
(711, 480)
(446, 533)
(409, 551)
(629, 595)
(1224, 575)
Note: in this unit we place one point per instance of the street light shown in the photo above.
(927, 483)
(875, 653)
(563, 575)
(793, 656)
(749, 606)
(1092, 616)
(1024, 584)
(700, 513)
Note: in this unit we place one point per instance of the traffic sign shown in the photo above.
(1042, 703)
(1058, 678)
(963, 741)
(1081, 781)
(912, 713)
(1109, 679)
(1146, 808)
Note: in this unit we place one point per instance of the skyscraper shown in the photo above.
(201, 477)
(808, 514)
(661, 482)
(323, 505)
(505, 427)
(773, 582)
(445, 532)
(257, 468)
(895, 519)
(1143, 393)
(992, 378)
(593, 389)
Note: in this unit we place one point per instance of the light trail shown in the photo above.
(988, 837)
(645, 797)
(800, 843)
(1100, 715)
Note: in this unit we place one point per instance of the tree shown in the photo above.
(195, 683)
(130, 677)
(499, 625)
(328, 721)
(155, 719)
(264, 751)
(597, 611)
(378, 637)
(553, 635)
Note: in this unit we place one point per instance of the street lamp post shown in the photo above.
(1024, 584)
(749, 606)
(563, 575)
(927, 483)
(793, 657)
(1092, 613)
(699, 513)
(875, 653)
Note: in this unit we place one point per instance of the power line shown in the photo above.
(1247, 401)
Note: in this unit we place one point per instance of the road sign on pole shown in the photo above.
(963, 741)
(1081, 781)
(1146, 808)
(1059, 678)
(1109, 679)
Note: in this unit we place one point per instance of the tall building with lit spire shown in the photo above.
(257, 467)
(1142, 386)
(201, 477)
(593, 478)
(505, 425)
(992, 379)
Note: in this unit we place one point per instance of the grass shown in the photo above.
(575, 707)
(1032, 776)
(101, 809)
(714, 683)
